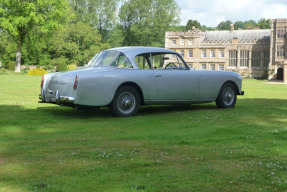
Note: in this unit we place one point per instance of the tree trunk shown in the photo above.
(18, 58)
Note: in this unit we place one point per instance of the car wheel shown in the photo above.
(227, 96)
(126, 102)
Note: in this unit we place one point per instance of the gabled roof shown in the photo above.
(241, 35)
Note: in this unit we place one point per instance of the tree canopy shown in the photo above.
(40, 32)
(19, 18)
(192, 23)
(224, 25)
(264, 23)
(144, 22)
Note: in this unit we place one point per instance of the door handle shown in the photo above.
(158, 75)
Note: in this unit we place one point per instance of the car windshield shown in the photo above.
(104, 58)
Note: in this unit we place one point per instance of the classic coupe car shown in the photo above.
(127, 77)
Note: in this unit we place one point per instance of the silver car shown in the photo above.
(125, 78)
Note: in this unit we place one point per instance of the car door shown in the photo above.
(175, 81)
(177, 85)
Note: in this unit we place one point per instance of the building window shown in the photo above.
(280, 51)
(221, 54)
(212, 54)
(232, 58)
(181, 42)
(203, 66)
(221, 67)
(281, 33)
(181, 52)
(244, 58)
(190, 53)
(173, 42)
(212, 66)
(190, 66)
(190, 42)
(203, 54)
(266, 58)
(255, 59)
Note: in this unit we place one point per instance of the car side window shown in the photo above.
(167, 61)
(121, 61)
(143, 61)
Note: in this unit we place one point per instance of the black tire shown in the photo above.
(126, 102)
(227, 96)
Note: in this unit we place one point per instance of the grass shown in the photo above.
(45, 147)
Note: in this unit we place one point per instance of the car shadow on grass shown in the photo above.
(248, 104)
(87, 113)
(104, 112)
(160, 109)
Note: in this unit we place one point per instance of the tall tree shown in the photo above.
(145, 21)
(224, 25)
(250, 24)
(19, 17)
(78, 43)
(264, 23)
(192, 23)
(238, 25)
(97, 13)
(7, 49)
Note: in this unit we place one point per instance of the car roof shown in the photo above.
(135, 50)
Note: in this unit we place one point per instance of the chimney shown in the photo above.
(231, 27)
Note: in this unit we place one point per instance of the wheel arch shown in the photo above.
(136, 87)
(233, 83)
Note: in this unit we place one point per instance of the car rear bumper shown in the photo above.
(242, 93)
(57, 99)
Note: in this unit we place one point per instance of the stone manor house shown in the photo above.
(256, 52)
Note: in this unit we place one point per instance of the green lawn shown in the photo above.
(46, 147)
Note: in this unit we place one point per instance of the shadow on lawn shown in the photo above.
(105, 112)
(250, 105)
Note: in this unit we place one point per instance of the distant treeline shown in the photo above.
(225, 25)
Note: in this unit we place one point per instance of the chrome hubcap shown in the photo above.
(228, 96)
(126, 102)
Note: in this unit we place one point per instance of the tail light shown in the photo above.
(42, 82)
(76, 83)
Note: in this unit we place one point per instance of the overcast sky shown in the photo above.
(212, 12)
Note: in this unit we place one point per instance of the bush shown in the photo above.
(37, 72)
(61, 63)
(61, 67)
(12, 65)
(71, 67)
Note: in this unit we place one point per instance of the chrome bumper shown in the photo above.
(65, 100)
(55, 99)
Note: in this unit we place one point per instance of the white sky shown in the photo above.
(212, 12)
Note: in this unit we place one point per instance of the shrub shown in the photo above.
(60, 62)
(12, 65)
(37, 71)
(61, 66)
(71, 67)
